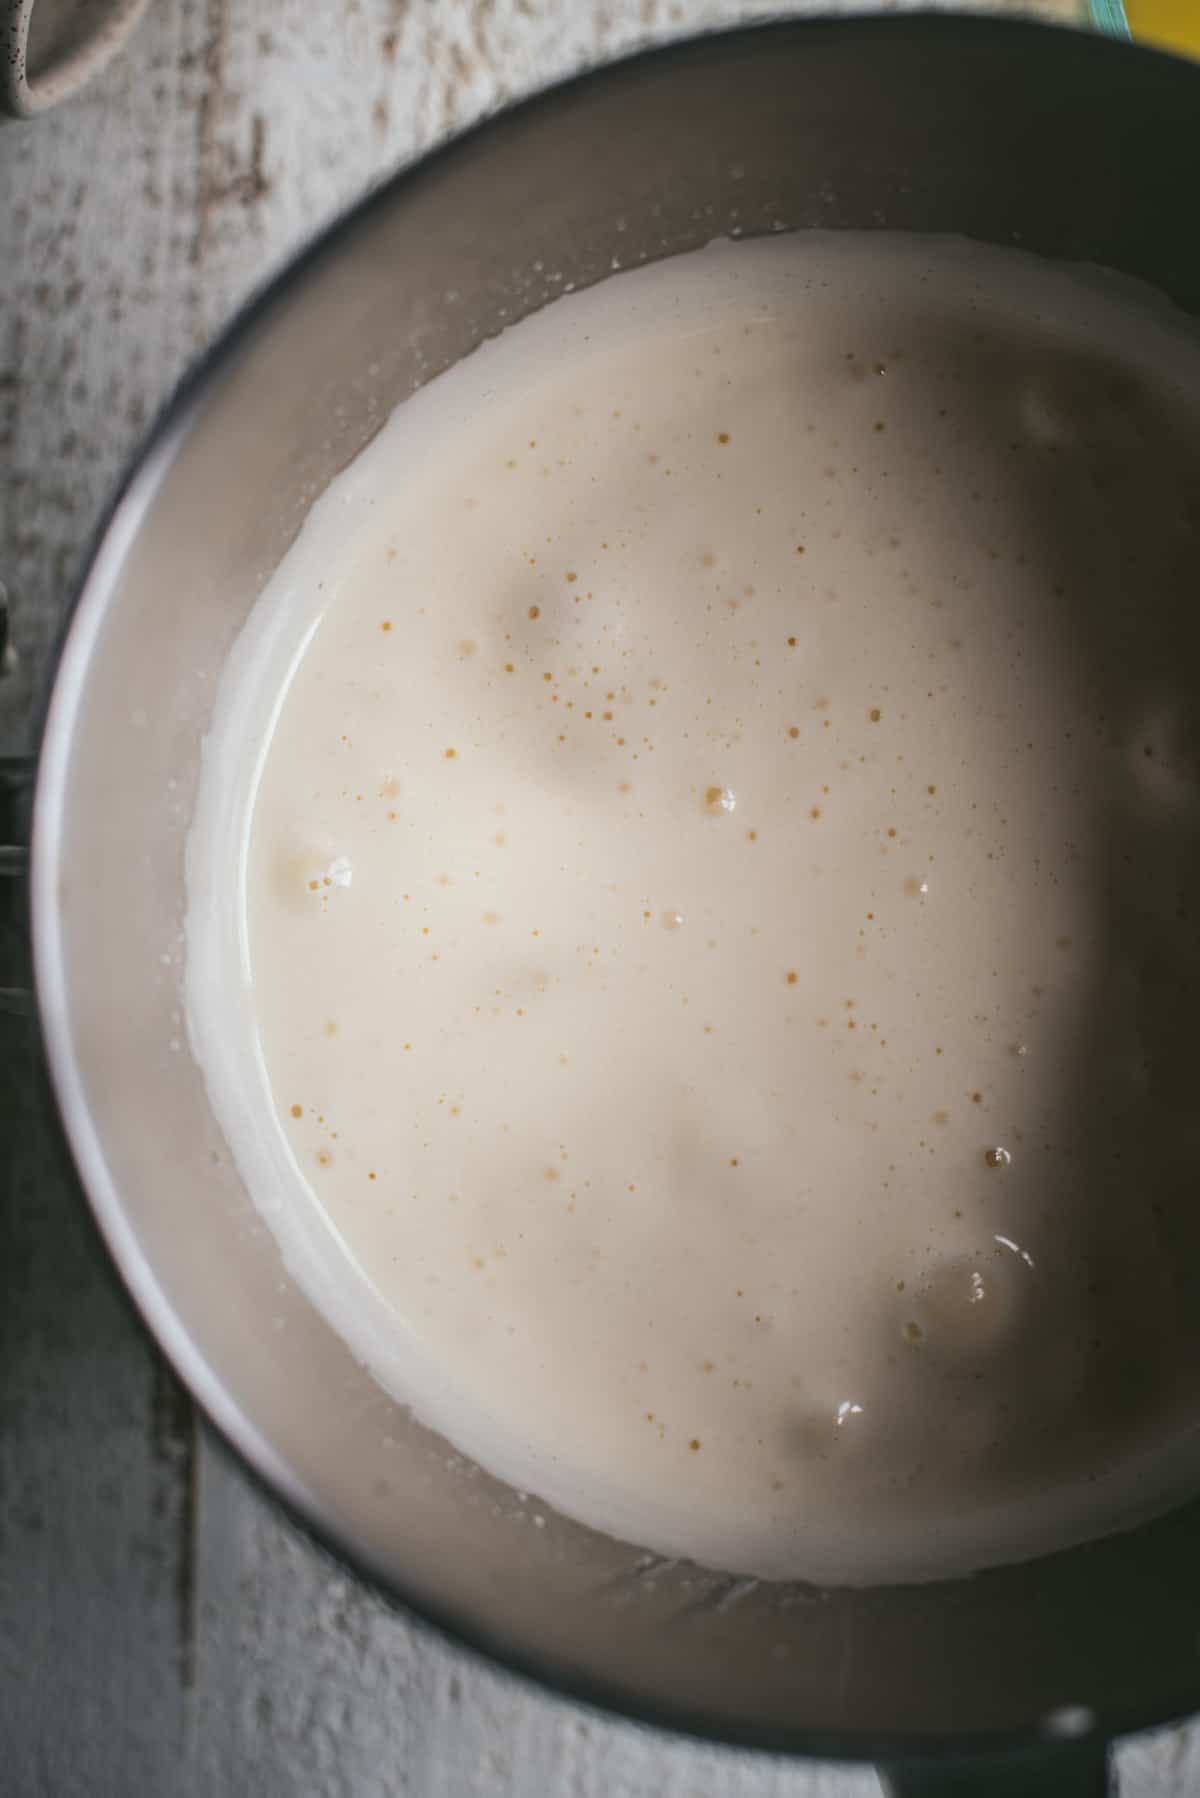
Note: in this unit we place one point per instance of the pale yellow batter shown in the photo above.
(695, 931)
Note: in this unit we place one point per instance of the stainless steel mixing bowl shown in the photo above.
(1007, 132)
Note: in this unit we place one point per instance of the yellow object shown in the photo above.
(1171, 24)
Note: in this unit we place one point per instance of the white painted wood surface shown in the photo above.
(162, 1629)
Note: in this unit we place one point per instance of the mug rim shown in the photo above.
(64, 76)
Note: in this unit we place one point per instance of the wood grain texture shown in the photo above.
(94, 1453)
(163, 1629)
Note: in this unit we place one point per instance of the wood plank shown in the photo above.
(95, 1449)
(308, 1682)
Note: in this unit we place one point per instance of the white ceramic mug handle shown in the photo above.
(50, 48)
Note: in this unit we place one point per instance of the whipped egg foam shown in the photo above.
(694, 931)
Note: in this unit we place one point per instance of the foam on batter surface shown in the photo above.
(695, 906)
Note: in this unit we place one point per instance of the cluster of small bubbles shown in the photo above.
(339, 873)
(719, 799)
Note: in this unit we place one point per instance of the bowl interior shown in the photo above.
(1005, 132)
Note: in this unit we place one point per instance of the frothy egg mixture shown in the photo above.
(694, 933)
